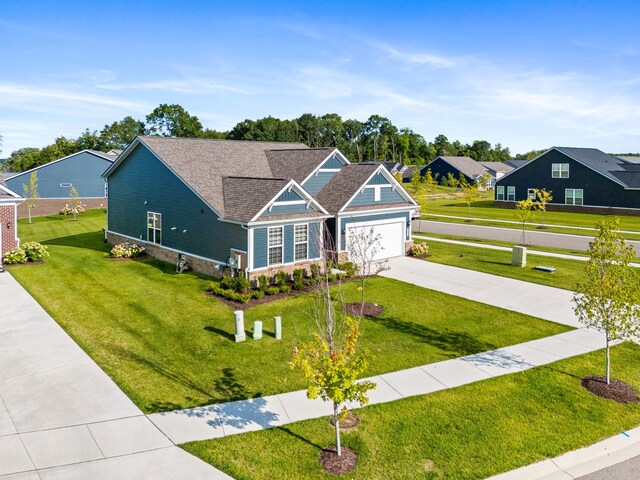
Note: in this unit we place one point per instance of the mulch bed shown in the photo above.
(128, 259)
(350, 421)
(39, 262)
(616, 390)
(370, 309)
(257, 301)
(338, 465)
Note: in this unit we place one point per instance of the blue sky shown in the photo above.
(525, 74)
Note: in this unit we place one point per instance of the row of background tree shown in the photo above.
(374, 139)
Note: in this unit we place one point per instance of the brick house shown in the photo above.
(9, 202)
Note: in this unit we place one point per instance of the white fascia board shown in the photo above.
(397, 185)
(288, 221)
(357, 213)
(292, 184)
(315, 170)
(9, 191)
(59, 160)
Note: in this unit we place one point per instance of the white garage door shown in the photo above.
(391, 236)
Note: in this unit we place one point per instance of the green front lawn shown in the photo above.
(497, 262)
(470, 432)
(484, 209)
(169, 346)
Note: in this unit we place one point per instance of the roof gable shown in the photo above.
(466, 165)
(100, 155)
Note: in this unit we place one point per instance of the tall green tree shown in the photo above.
(172, 121)
(120, 134)
(608, 299)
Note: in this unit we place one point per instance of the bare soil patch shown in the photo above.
(370, 309)
(616, 390)
(338, 465)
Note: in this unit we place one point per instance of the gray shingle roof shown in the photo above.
(344, 185)
(516, 163)
(629, 158)
(497, 166)
(104, 155)
(466, 165)
(596, 160)
(630, 178)
(296, 164)
(203, 163)
(245, 197)
(408, 173)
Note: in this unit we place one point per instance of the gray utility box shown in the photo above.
(519, 256)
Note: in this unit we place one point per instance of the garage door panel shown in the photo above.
(391, 237)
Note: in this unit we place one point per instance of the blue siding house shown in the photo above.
(258, 207)
(82, 170)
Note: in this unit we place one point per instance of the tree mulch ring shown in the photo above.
(338, 465)
(370, 309)
(616, 390)
(350, 421)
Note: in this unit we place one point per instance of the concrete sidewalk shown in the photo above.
(215, 421)
(61, 416)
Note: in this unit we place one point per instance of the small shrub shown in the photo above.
(228, 283)
(263, 282)
(298, 273)
(349, 268)
(272, 290)
(341, 276)
(331, 277)
(126, 250)
(419, 250)
(258, 294)
(298, 284)
(13, 257)
(280, 279)
(243, 284)
(67, 210)
(34, 251)
(285, 288)
(315, 271)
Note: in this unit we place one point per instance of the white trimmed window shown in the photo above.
(573, 196)
(301, 242)
(500, 192)
(276, 238)
(511, 194)
(154, 227)
(559, 170)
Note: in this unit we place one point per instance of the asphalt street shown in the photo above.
(533, 236)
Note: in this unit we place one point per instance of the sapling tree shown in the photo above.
(543, 197)
(469, 193)
(415, 180)
(330, 361)
(364, 246)
(31, 193)
(524, 211)
(608, 297)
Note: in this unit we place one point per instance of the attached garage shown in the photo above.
(392, 233)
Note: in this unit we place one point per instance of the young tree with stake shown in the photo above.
(331, 362)
(609, 297)
(31, 192)
(363, 246)
(524, 211)
(543, 197)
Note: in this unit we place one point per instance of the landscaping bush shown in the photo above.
(263, 282)
(13, 257)
(258, 294)
(34, 251)
(230, 294)
(67, 210)
(280, 279)
(349, 268)
(272, 290)
(298, 285)
(243, 284)
(298, 274)
(126, 250)
(285, 288)
(419, 250)
(228, 282)
(315, 272)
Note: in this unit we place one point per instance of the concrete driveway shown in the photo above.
(62, 417)
(534, 237)
(540, 301)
